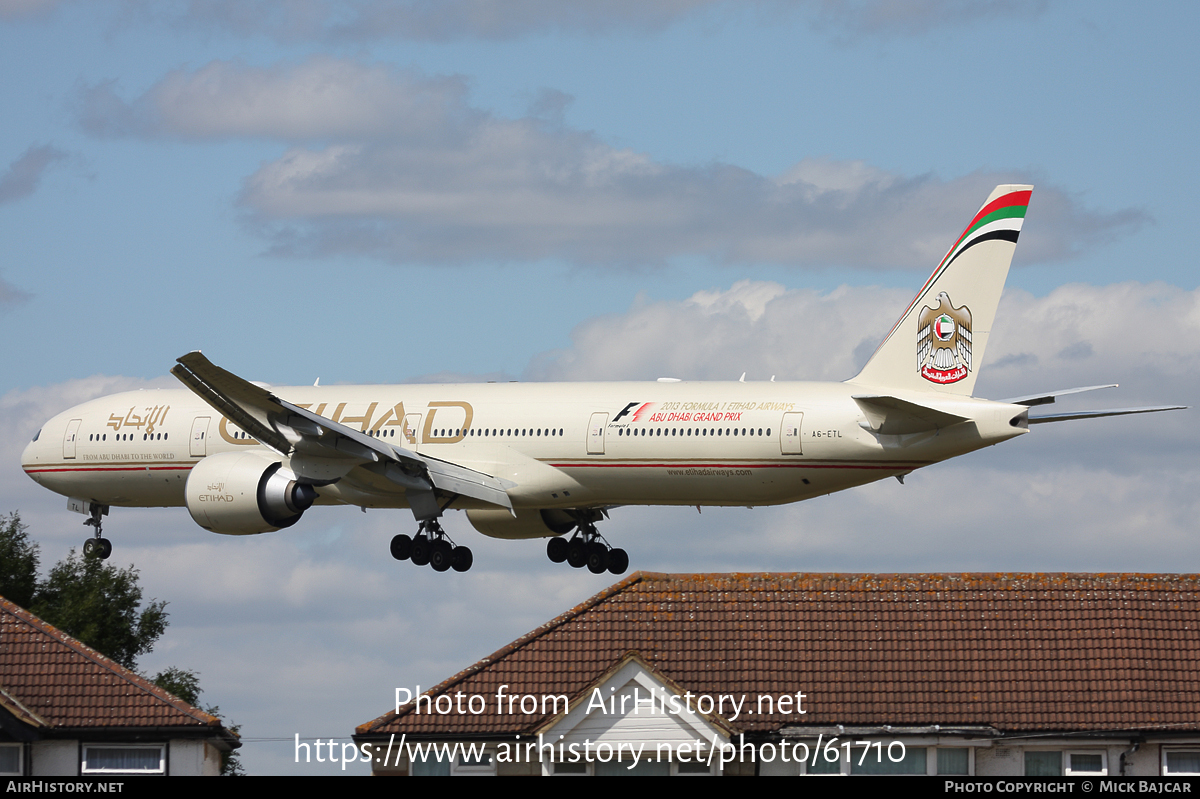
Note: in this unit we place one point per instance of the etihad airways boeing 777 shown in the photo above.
(548, 460)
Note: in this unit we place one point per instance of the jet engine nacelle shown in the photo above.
(242, 493)
(529, 523)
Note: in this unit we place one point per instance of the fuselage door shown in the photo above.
(412, 427)
(789, 434)
(595, 441)
(199, 434)
(69, 438)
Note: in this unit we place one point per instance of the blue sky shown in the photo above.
(1090, 99)
(385, 191)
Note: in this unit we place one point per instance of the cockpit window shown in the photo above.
(38, 433)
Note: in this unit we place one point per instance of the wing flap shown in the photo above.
(460, 480)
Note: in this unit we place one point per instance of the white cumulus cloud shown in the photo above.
(399, 165)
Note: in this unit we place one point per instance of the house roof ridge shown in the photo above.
(105, 662)
(997, 580)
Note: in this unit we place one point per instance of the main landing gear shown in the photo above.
(97, 546)
(433, 547)
(588, 548)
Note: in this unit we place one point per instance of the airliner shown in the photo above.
(552, 459)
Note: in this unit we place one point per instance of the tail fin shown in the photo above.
(937, 345)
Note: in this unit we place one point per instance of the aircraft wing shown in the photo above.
(322, 450)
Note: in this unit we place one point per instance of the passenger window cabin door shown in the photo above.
(595, 439)
(70, 438)
(789, 434)
(199, 446)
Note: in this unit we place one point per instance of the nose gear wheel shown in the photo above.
(97, 546)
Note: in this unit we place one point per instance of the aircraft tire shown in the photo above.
(105, 548)
(441, 555)
(401, 547)
(91, 548)
(556, 549)
(577, 553)
(597, 558)
(420, 551)
(618, 561)
(462, 559)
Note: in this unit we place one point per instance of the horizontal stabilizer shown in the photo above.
(1048, 397)
(892, 416)
(1066, 417)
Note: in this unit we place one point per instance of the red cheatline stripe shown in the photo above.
(109, 469)
(725, 466)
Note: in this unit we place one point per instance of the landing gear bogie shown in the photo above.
(432, 547)
(587, 548)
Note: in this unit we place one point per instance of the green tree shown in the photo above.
(186, 685)
(99, 604)
(180, 682)
(18, 561)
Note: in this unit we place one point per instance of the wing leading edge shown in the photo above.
(322, 451)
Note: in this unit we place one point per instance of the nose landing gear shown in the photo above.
(432, 547)
(97, 546)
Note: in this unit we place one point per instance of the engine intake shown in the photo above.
(243, 493)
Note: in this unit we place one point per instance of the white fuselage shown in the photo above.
(553, 445)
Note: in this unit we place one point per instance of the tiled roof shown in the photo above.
(1018, 652)
(50, 680)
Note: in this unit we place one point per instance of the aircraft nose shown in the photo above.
(29, 454)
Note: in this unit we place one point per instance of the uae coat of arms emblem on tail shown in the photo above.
(944, 341)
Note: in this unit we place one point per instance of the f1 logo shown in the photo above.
(625, 411)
